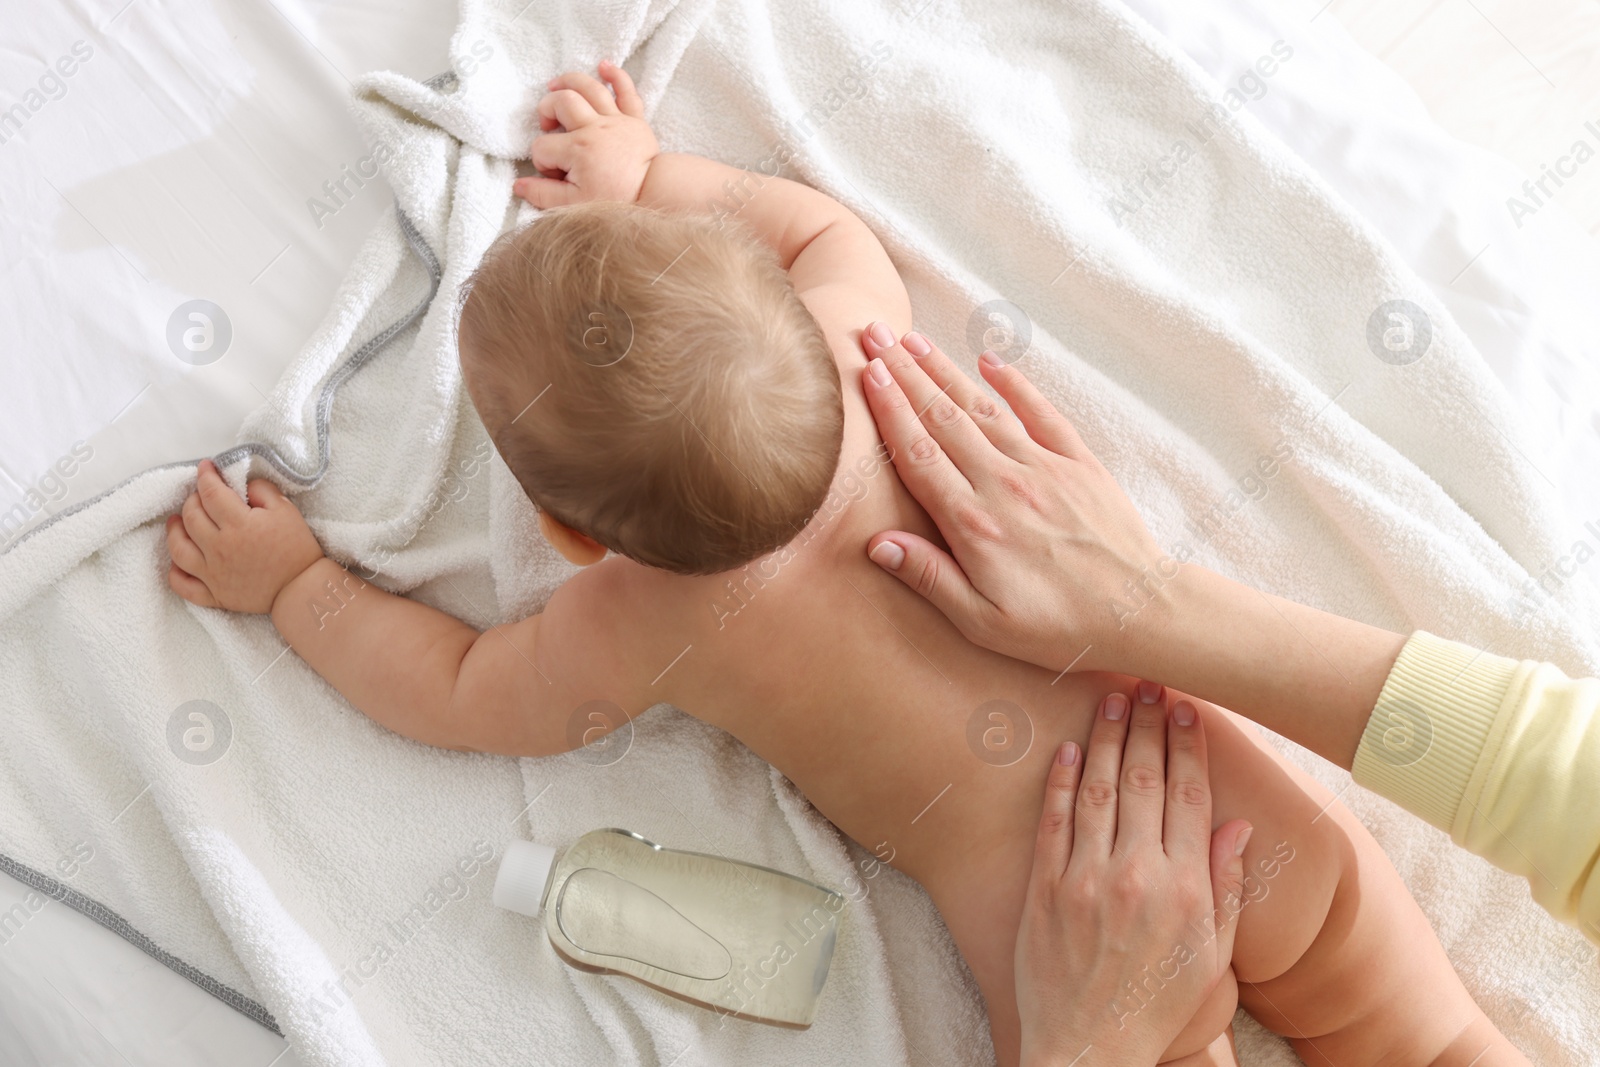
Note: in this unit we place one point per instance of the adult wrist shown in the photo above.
(1174, 624)
(1304, 673)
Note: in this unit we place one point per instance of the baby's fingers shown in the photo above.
(263, 494)
(189, 587)
(553, 153)
(547, 192)
(181, 547)
(221, 503)
(629, 102)
(585, 86)
(195, 520)
(567, 108)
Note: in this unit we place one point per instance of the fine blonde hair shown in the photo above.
(654, 382)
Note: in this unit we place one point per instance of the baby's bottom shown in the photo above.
(1372, 984)
(1331, 952)
(1220, 1053)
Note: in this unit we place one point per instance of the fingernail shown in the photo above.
(1242, 840)
(1067, 754)
(1149, 692)
(888, 554)
(880, 335)
(992, 360)
(916, 344)
(1183, 714)
(880, 373)
(1116, 706)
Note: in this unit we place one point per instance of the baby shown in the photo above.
(669, 361)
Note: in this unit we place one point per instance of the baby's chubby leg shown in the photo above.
(1332, 951)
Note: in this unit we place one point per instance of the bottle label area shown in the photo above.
(605, 915)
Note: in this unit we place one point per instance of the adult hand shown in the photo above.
(1043, 542)
(1050, 562)
(1129, 881)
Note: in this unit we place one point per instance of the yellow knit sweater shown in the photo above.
(1501, 754)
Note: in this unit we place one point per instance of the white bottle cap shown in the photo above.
(524, 869)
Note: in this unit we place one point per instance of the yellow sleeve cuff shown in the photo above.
(1431, 725)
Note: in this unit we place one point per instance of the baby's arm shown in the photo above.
(410, 667)
(596, 146)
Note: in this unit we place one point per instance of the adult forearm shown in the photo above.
(1306, 674)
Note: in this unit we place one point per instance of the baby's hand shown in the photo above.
(230, 554)
(595, 146)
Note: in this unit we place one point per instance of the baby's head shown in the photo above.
(688, 410)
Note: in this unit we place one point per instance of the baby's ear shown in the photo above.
(576, 547)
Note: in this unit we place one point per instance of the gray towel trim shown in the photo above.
(118, 925)
(92, 908)
(324, 401)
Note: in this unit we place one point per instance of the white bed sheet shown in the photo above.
(177, 163)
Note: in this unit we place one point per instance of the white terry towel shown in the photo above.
(334, 876)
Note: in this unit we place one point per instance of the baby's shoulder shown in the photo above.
(649, 622)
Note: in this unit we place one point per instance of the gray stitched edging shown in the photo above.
(120, 926)
(91, 907)
(324, 401)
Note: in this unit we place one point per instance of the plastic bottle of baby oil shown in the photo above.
(739, 939)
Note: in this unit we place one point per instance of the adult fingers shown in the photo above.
(1039, 417)
(1095, 826)
(629, 102)
(933, 573)
(941, 416)
(997, 424)
(553, 152)
(1142, 787)
(1188, 816)
(547, 192)
(195, 520)
(922, 465)
(1053, 845)
(216, 496)
(1227, 882)
(181, 547)
(189, 587)
(587, 88)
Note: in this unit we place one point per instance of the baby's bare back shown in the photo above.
(931, 752)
